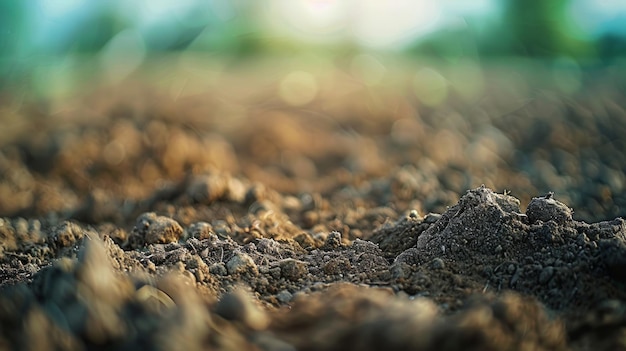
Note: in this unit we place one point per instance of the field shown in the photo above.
(342, 204)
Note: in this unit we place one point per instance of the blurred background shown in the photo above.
(51, 45)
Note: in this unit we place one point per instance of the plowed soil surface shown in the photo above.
(135, 216)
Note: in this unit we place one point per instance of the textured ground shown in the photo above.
(226, 218)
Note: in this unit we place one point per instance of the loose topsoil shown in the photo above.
(364, 220)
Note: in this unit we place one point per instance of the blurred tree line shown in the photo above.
(535, 29)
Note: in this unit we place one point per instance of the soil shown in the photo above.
(365, 220)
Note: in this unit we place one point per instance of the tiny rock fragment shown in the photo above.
(293, 269)
(546, 208)
(158, 229)
(333, 240)
(241, 263)
(284, 296)
(201, 231)
(67, 233)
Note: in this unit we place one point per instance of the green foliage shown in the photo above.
(13, 27)
(539, 29)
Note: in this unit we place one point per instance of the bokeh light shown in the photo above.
(368, 69)
(431, 88)
(122, 54)
(298, 88)
(394, 23)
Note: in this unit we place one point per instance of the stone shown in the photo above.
(241, 263)
(546, 208)
(293, 269)
(157, 229)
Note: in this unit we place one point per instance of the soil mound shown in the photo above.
(543, 253)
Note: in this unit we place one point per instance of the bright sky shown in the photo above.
(370, 23)
(596, 17)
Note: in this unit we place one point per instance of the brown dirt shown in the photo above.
(133, 220)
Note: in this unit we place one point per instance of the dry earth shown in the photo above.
(134, 219)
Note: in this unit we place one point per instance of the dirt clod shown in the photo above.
(155, 229)
(546, 208)
(241, 263)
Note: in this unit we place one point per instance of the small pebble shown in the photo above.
(201, 231)
(218, 269)
(546, 208)
(293, 269)
(241, 263)
(284, 296)
(414, 214)
(158, 229)
(67, 233)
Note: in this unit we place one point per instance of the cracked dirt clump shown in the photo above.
(475, 224)
(547, 208)
(394, 238)
(560, 261)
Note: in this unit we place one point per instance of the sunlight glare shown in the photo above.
(393, 23)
